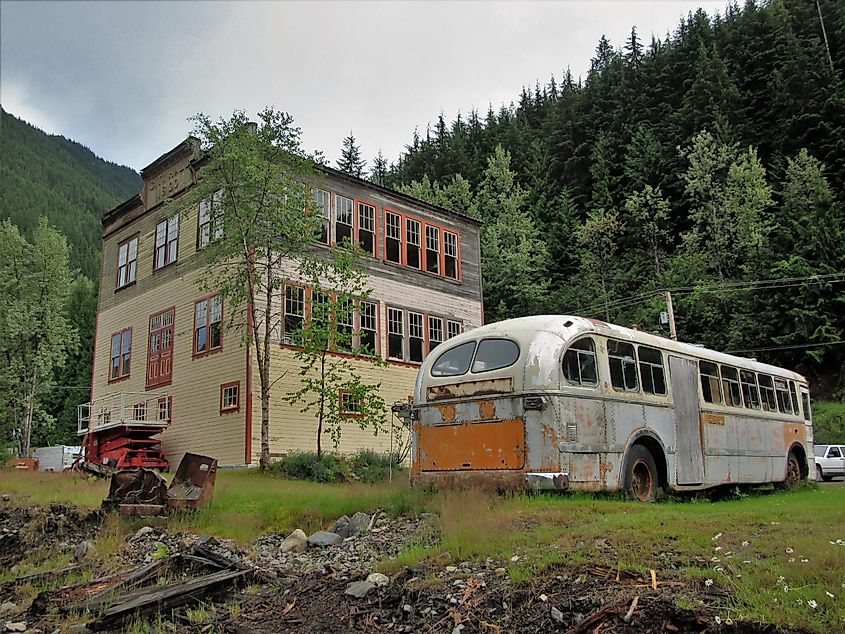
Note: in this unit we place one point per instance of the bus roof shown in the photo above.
(568, 327)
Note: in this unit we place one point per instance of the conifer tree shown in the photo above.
(351, 162)
(379, 173)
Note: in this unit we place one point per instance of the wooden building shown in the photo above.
(160, 353)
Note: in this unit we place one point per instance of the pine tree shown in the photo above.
(351, 162)
(379, 173)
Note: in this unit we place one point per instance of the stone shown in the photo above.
(6, 497)
(15, 626)
(208, 540)
(7, 606)
(84, 549)
(378, 580)
(359, 589)
(458, 628)
(342, 526)
(296, 542)
(544, 598)
(360, 522)
(324, 538)
(451, 569)
(141, 533)
(557, 615)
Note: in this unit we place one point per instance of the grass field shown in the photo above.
(779, 556)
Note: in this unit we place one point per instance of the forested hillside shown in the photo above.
(49, 175)
(710, 162)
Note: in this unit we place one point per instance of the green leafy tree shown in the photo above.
(648, 213)
(37, 335)
(598, 238)
(351, 162)
(257, 179)
(331, 386)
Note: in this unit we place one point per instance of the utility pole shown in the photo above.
(673, 334)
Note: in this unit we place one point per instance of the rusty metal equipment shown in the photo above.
(143, 491)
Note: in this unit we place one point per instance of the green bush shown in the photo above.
(305, 465)
(828, 422)
(364, 466)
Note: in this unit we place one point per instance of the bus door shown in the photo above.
(689, 459)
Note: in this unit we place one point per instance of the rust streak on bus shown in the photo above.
(470, 388)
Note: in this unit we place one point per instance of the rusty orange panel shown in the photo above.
(470, 388)
(448, 413)
(793, 432)
(470, 446)
(712, 418)
(487, 409)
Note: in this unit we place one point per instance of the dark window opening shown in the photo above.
(651, 371)
(395, 336)
(730, 379)
(412, 243)
(393, 237)
(432, 249)
(579, 363)
(623, 366)
(767, 392)
(749, 389)
(416, 339)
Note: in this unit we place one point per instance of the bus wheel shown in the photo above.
(640, 481)
(793, 472)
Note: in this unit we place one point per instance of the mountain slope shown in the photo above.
(49, 175)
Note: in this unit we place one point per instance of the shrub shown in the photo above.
(369, 466)
(305, 465)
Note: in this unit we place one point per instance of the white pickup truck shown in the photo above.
(830, 461)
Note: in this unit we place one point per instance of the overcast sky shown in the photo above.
(123, 77)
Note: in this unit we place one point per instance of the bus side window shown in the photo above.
(651, 370)
(623, 366)
(710, 388)
(805, 404)
(794, 397)
(579, 363)
(767, 391)
(730, 378)
(454, 362)
(749, 389)
(782, 393)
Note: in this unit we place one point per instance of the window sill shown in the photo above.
(119, 379)
(230, 410)
(351, 415)
(125, 286)
(161, 268)
(207, 353)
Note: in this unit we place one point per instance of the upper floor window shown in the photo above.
(323, 204)
(367, 228)
(392, 237)
(344, 220)
(127, 262)
(412, 243)
(167, 241)
(208, 317)
(435, 332)
(294, 312)
(210, 220)
(579, 363)
(450, 254)
(121, 354)
(432, 249)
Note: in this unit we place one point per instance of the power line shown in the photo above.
(790, 347)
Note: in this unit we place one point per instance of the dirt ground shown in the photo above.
(429, 597)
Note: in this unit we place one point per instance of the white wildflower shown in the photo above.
(716, 536)
(746, 561)
(708, 583)
(829, 594)
(781, 579)
(715, 559)
(812, 603)
(717, 548)
(791, 559)
(729, 621)
(718, 620)
(786, 588)
(718, 569)
(789, 551)
(745, 542)
(804, 561)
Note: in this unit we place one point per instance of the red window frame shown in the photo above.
(442, 230)
(124, 364)
(340, 405)
(160, 360)
(207, 300)
(357, 224)
(224, 409)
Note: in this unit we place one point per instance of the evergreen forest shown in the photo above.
(709, 162)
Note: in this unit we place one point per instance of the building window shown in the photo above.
(368, 335)
(416, 337)
(392, 237)
(345, 319)
(323, 205)
(432, 249)
(165, 408)
(367, 227)
(450, 254)
(121, 354)
(230, 397)
(435, 332)
(453, 329)
(139, 411)
(160, 349)
(167, 241)
(210, 220)
(395, 334)
(208, 315)
(294, 312)
(344, 226)
(127, 262)
(350, 404)
(412, 243)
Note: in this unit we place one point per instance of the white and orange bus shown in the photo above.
(567, 403)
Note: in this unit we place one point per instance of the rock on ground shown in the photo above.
(296, 542)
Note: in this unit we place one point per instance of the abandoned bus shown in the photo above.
(567, 403)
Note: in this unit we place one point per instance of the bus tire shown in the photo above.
(640, 475)
(793, 472)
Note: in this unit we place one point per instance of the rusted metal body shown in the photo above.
(145, 492)
(527, 426)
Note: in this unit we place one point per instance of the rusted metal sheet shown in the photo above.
(712, 418)
(193, 484)
(470, 388)
(472, 446)
(690, 459)
(794, 432)
(487, 409)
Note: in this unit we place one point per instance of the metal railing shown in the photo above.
(124, 408)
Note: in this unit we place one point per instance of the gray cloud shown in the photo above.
(124, 77)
